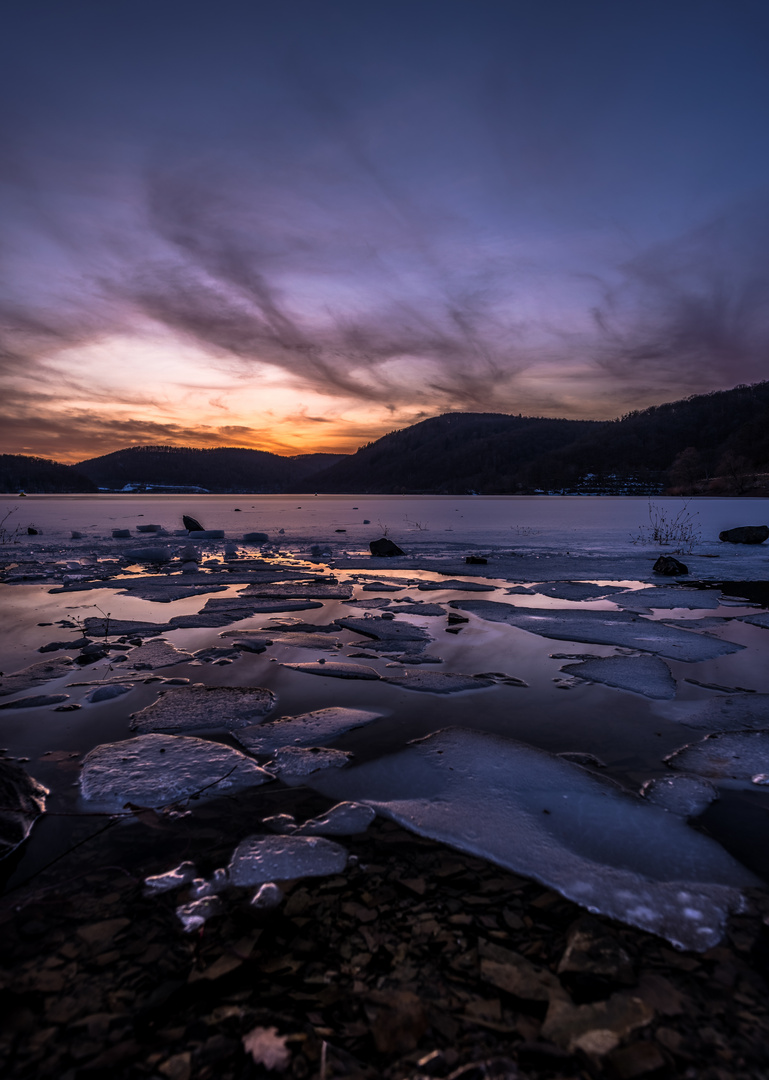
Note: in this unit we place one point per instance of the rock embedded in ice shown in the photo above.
(22, 801)
(336, 670)
(155, 770)
(344, 819)
(261, 859)
(316, 728)
(35, 675)
(660, 597)
(37, 701)
(205, 708)
(603, 628)
(540, 816)
(438, 682)
(725, 756)
(294, 763)
(108, 693)
(182, 874)
(688, 796)
(647, 675)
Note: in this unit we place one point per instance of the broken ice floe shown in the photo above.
(108, 693)
(294, 763)
(344, 819)
(157, 653)
(739, 712)
(688, 796)
(430, 610)
(726, 757)
(438, 682)
(262, 859)
(335, 670)
(661, 597)
(455, 586)
(205, 708)
(103, 627)
(217, 883)
(267, 896)
(155, 770)
(603, 628)
(35, 675)
(646, 675)
(182, 874)
(314, 728)
(37, 701)
(22, 801)
(761, 619)
(570, 590)
(302, 590)
(538, 815)
(165, 591)
(193, 916)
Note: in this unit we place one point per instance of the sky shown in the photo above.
(296, 225)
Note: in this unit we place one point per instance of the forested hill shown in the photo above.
(714, 443)
(453, 454)
(711, 444)
(37, 475)
(222, 469)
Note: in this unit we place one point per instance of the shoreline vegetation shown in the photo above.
(709, 445)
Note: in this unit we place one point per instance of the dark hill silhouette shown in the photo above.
(224, 469)
(453, 454)
(36, 475)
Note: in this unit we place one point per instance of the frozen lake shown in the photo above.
(563, 643)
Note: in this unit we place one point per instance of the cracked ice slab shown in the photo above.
(647, 675)
(543, 817)
(741, 756)
(309, 729)
(684, 795)
(154, 770)
(157, 653)
(292, 764)
(335, 670)
(603, 628)
(302, 590)
(738, 712)
(209, 708)
(36, 675)
(281, 858)
(572, 590)
(438, 682)
(661, 597)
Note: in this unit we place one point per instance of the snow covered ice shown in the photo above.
(261, 859)
(543, 817)
(646, 675)
(309, 729)
(156, 770)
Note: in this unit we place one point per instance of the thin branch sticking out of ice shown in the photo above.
(157, 770)
(538, 815)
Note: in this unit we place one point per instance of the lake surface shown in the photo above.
(533, 543)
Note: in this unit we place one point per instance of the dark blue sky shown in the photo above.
(298, 225)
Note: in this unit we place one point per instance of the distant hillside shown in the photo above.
(708, 444)
(225, 469)
(35, 475)
(453, 454)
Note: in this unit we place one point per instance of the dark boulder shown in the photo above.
(255, 538)
(476, 560)
(191, 524)
(666, 564)
(385, 547)
(22, 800)
(745, 534)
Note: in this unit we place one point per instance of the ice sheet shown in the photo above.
(738, 712)
(281, 858)
(35, 675)
(205, 708)
(438, 682)
(543, 817)
(688, 796)
(156, 653)
(333, 669)
(293, 764)
(647, 675)
(741, 756)
(603, 628)
(662, 597)
(155, 770)
(316, 728)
